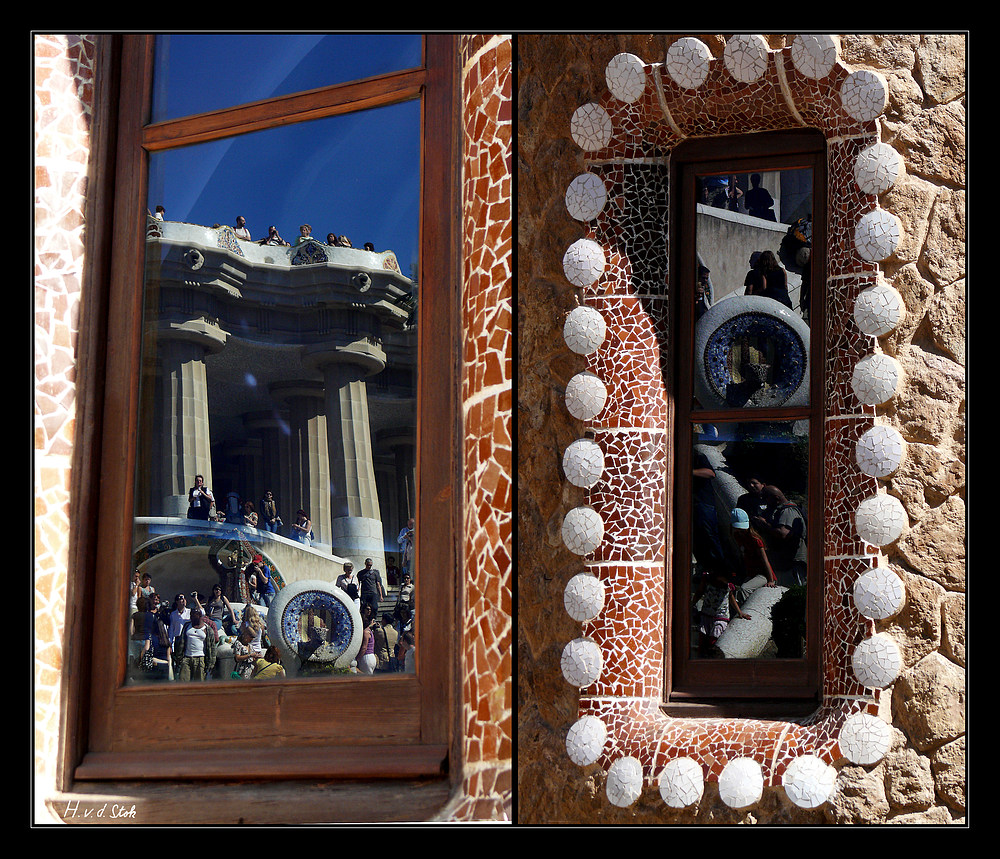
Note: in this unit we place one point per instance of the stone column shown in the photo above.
(309, 455)
(356, 520)
(182, 412)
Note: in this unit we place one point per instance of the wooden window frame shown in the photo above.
(300, 729)
(729, 687)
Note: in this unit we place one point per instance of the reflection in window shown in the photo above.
(749, 568)
(749, 421)
(275, 488)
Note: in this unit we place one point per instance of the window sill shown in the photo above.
(293, 802)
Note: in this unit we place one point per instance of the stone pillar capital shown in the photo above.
(348, 361)
(201, 332)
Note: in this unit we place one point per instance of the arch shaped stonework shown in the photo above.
(620, 266)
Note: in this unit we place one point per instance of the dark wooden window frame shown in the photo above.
(731, 687)
(302, 729)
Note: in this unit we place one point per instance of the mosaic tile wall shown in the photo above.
(63, 99)
(487, 326)
(63, 107)
(625, 134)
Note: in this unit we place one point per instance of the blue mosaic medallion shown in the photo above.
(315, 621)
(751, 352)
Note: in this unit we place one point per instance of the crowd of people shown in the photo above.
(181, 640)
(273, 238)
(769, 533)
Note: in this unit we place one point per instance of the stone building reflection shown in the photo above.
(282, 369)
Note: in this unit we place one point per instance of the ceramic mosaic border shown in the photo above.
(619, 268)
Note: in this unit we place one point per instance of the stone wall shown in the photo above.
(922, 776)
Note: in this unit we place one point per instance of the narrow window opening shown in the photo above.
(745, 571)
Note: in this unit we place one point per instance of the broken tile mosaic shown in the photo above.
(621, 266)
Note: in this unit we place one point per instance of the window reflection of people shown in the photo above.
(269, 665)
(756, 566)
(718, 606)
(753, 501)
(273, 238)
(269, 512)
(405, 541)
(407, 653)
(784, 530)
(249, 514)
(768, 279)
(702, 292)
(372, 590)
(707, 545)
(241, 229)
(759, 201)
(301, 527)
(200, 499)
(366, 656)
(348, 583)
(733, 195)
(219, 610)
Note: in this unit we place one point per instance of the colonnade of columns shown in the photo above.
(315, 452)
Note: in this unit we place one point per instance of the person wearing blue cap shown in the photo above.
(755, 560)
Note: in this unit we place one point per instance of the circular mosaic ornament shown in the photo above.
(875, 379)
(864, 95)
(880, 520)
(624, 783)
(582, 530)
(687, 61)
(681, 783)
(814, 55)
(865, 739)
(583, 462)
(626, 77)
(581, 662)
(584, 597)
(741, 783)
(725, 378)
(583, 262)
(746, 57)
(314, 620)
(879, 451)
(586, 197)
(878, 594)
(808, 781)
(878, 310)
(591, 127)
(585, 740)
(877, 168)
(584, 330)
(586, 396)
(877, 235)
(877, 661)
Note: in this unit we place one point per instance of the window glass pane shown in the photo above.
(751, 302)
(748, 570)
(198, 73)
(277, 433)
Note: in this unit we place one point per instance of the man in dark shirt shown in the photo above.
(372, 589)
